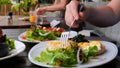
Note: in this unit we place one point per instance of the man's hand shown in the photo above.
(71, 13)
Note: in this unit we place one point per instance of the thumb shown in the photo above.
(77, 17)
(81, 15)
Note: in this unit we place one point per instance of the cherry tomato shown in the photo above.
(23, 37)
(61, 30)
(50, 29)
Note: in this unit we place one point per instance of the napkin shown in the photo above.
(54, 23)
(89, 33)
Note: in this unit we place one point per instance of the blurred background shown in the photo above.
(22, 7)
(19, 7)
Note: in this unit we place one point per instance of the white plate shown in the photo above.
(24, 40)
(20, 47)
(72, 34)
(110, 54)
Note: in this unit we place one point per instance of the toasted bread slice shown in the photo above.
(101, 51)
(85, 45)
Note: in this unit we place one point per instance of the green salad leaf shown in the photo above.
(90, 52)
(34, 35)
(58, 57)
(65, 57)
(10, 42)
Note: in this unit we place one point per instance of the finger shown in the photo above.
(74, 11)
(81, 15)
(68, 16)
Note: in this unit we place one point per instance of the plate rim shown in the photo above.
(16, 53)
(113, 46)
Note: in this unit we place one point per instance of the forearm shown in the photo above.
(103, 16)
(57, 6)
(54, 8)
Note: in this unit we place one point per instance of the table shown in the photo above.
(19, 24)
(4, 24)
(21, 60)
(16, 23)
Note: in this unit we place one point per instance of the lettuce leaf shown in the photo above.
(90, 52)
(60, 57)
(10, 42)
(65, 57)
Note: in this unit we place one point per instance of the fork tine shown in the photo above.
(64, 38)
(61, 40)
(66, 42)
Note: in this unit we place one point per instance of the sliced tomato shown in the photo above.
(51, 29)
(23, 37)
(61, 30)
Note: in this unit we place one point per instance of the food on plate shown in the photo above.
(98, 44)
(79, 38)
(6, 44)
(70, 54)
(42, 33)
(59, 56)
(53, 45)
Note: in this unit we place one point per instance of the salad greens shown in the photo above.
(79, 38)
(33, 34)
(90, 52)
(7, 40)
(10, 42)
(58, 57)
(66, 56)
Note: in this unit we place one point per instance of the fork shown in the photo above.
(65, 35)
(71, 25)
(64, 39)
